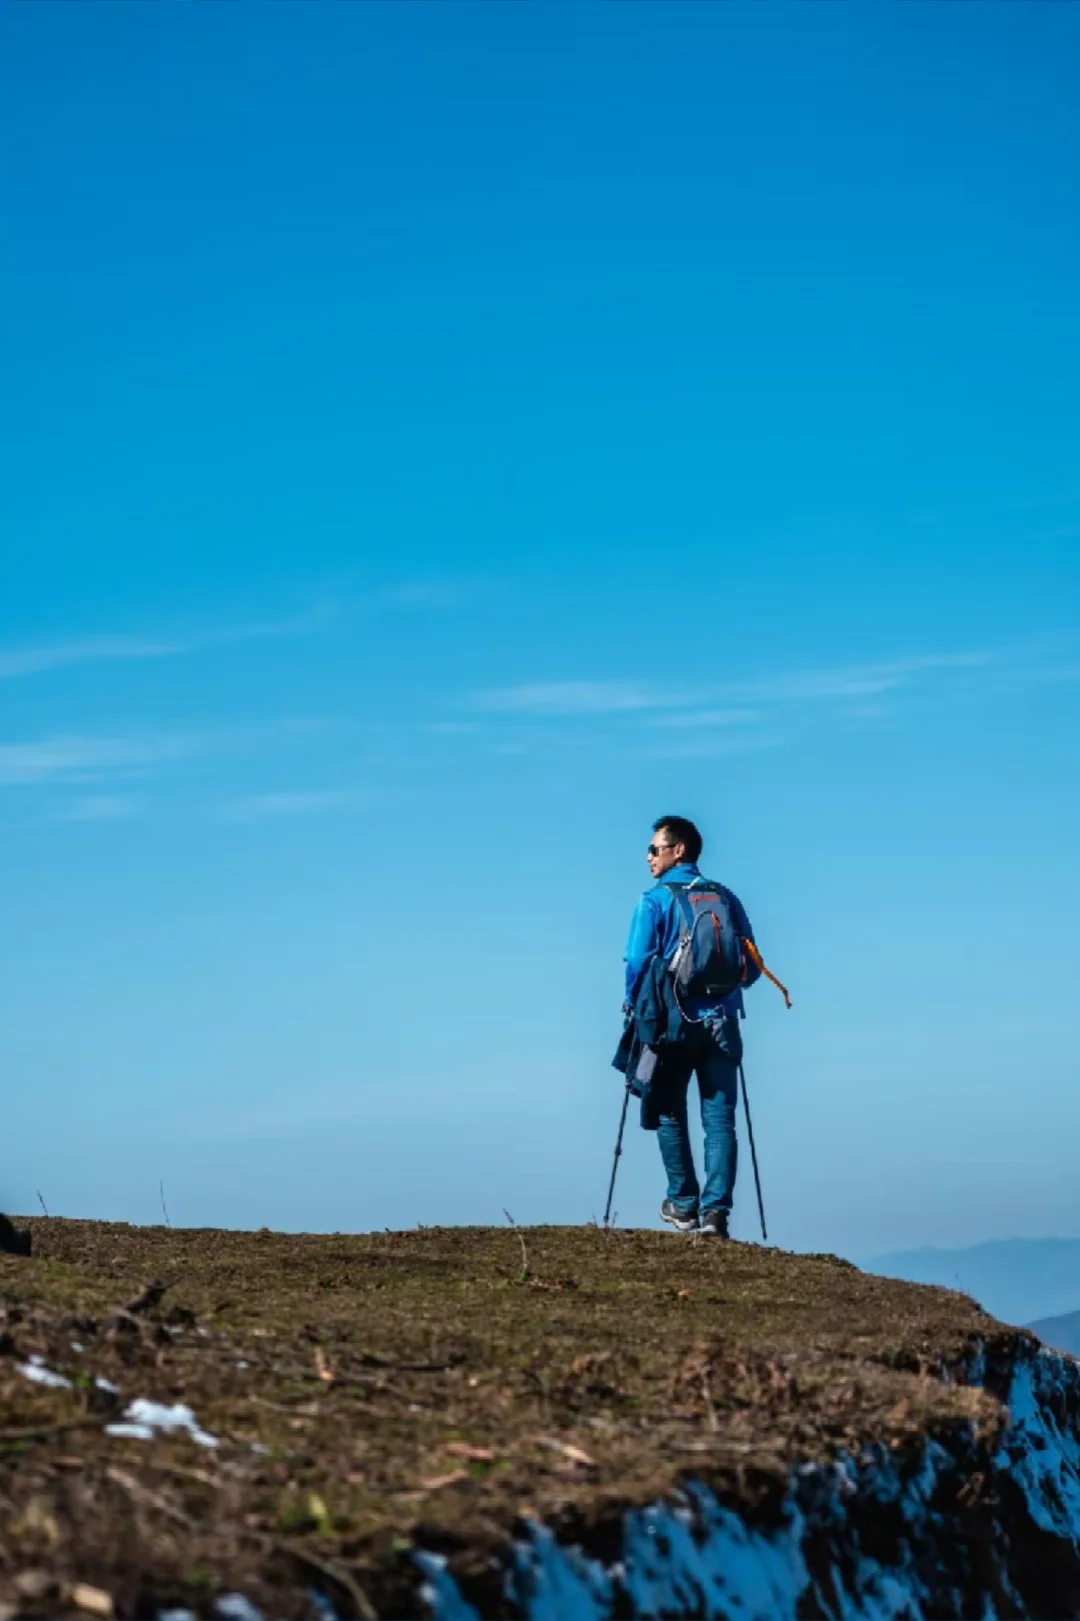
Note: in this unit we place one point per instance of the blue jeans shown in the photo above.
(718, 1084)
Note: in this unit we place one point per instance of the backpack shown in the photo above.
(708, 962)
(711, 958)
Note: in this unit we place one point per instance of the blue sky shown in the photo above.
(439, 439)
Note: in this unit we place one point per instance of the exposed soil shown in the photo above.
(386, 1391)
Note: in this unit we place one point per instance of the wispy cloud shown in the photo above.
(85, 650)
(301, 803)
(711, 745)
(18, 661)
(440, 594)
(100, 808)
(624, 696)
(575, 698)
(123, 648)
(110, 763)
(707, 719)
(851, 680)
(87, 759)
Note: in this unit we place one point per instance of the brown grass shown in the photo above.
(391, 1390)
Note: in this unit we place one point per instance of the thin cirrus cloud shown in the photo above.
(100, 808)
(301, 803)
(87, 759)
(575, 698)
(707, 718)
(72, 759)
(86, 650)
(83, 650)
(854, 680)
(627, 697)
(406, 596)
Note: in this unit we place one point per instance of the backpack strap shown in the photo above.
(679, 891)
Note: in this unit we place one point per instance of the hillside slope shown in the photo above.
(345, 1407)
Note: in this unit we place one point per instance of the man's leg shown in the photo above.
(718, 1080)
(673, 1135)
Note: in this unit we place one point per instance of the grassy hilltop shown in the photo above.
(390, 1390)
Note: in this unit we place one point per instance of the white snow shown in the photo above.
(144, 1419)
(36, 1370)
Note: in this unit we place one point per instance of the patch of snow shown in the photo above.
(144, 1419)
(36, 1370)
(235, 1607)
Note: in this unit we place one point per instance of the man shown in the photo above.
(710, 1045)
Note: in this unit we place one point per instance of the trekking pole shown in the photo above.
(618, 1151)
(753, 1154)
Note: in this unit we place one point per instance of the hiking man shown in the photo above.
(708, 1041)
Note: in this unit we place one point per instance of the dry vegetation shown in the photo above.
(377, 1393)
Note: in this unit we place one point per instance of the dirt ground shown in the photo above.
(376, 1393)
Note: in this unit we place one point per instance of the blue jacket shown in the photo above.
(654, 934)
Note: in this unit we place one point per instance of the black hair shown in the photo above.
(681, 831)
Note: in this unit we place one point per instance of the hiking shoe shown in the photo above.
(714, 1223)
(684, 1221)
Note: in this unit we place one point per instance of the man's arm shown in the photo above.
(643, 944)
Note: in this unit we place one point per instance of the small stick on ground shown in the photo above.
(145, 1494)
(524, 1257)
(187, 1474)
(714, 1422)
(41, 1202)
(369, 1360)
(45, 1432)
(334, 1573)
(164, 1207)
(298, 1409)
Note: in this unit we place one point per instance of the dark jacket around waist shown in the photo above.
(655, 1026)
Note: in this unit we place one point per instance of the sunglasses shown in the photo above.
(655, 849)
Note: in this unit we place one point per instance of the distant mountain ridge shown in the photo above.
(1059, 1333)
(1019, 1280)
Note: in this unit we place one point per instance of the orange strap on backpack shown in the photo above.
(753, 952)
